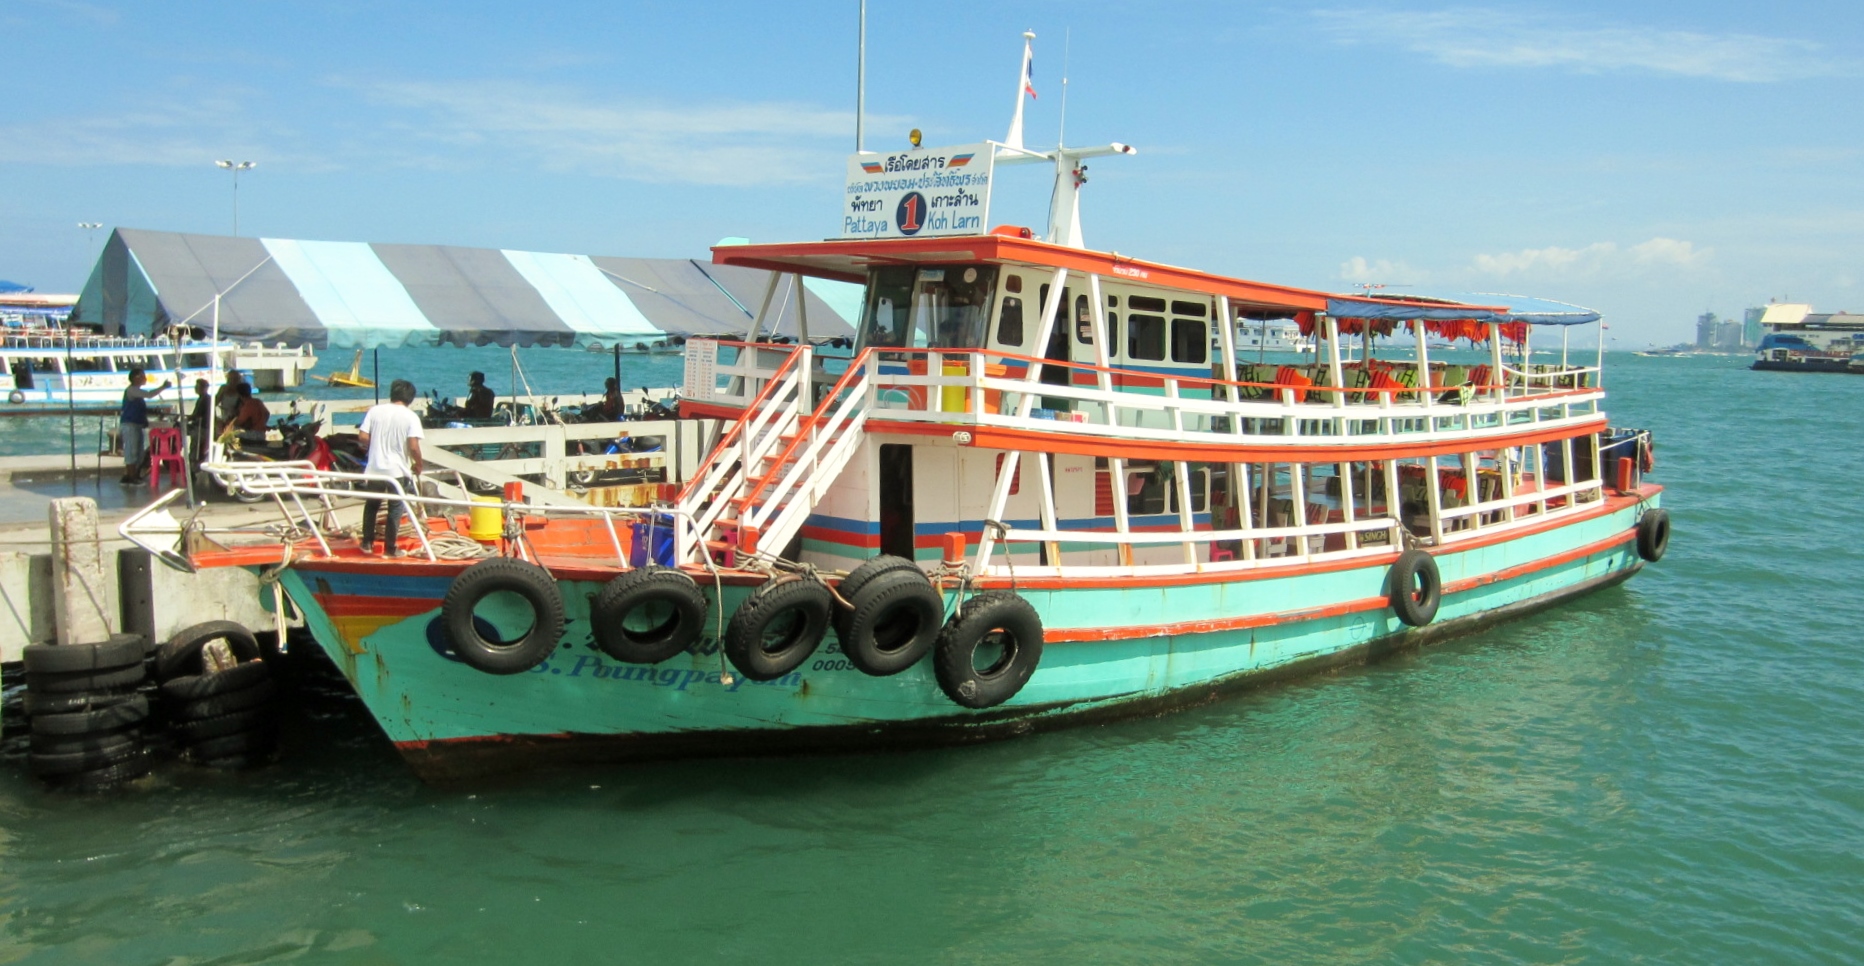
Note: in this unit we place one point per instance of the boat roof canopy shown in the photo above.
(1478, 307)
(849, 261)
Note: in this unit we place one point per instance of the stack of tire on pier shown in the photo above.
(87, 717)
(218, 701)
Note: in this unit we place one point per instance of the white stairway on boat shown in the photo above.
(771, 468)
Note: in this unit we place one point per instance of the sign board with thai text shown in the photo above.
(919, 193)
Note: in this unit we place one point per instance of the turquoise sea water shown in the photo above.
(1661, 772)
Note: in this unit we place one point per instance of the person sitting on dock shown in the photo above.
(133, 424)
(226, 399)
(252, 417)
(611, 399)
(392, 433)
(479, 399)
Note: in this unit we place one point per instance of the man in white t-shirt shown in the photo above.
(392, 433)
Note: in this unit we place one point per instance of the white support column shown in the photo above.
(1495, 362)
(1050, 520)
(1434, 487)
(1103, 352)
(1051, 307)
(999, 500)
(1346, 503)
(1423, 370)
(1187, 520)
(1333, 363)
(1297, 496)
(1122, 522)
(763, 310)
(1504, 458)
(1394, 503)
(1239, 494)
(1227, 341)
(1262, 502)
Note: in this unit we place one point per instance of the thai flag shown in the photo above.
(1029, 78)
(872, 167)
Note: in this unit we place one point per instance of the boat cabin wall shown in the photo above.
(999, 307)
(949, 491)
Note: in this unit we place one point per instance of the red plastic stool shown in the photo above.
(165, 454)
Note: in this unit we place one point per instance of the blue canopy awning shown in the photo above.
(1479, 306)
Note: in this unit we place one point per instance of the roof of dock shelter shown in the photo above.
(358, 294)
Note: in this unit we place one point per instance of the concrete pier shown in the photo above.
(115, 586)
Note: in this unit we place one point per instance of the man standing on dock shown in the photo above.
(392, 433)
(133, 424)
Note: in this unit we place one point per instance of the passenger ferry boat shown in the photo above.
(52, 368)
(1035, 496)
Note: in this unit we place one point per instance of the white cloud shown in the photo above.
(564, 130)
(1489, 37)
(1382, 270)
(459, 125)
(1599, 259)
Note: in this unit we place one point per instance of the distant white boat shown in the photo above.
(47, 368)
(1274, 337)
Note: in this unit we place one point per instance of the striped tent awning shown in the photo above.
(356, 294)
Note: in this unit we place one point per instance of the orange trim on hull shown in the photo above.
(1332, 610)
(1218, 449)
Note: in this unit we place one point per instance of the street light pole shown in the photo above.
(236, 167)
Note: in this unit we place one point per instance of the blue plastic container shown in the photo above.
(654, 534)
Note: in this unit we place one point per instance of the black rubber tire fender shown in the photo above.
(111, 718)
(1002, 617)
(896, 619)
(628, 595)
(1653, 534)
(105, 778)
(182, 654)
(194, 687)
(36, 705)
(81, 761)
(68, 682)
(200, 729)
(94, 741)
(261, 742)
(867, 570)
(1416, 587)
(226, 703)
(121, 650)
(527, 580)
(796, 610)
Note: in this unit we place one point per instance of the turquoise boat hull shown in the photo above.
(1113, 647)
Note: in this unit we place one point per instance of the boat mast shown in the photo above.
(860, 83)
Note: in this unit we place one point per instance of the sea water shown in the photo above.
(1665, 771)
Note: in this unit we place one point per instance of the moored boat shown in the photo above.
(1034, 496)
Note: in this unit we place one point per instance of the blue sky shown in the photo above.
(1652, 160)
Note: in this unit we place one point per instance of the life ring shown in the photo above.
(529, 582)
(1653, 534)
(1001, 625)
(1416, 588)
(647, 615)
(777, 629)
(16, 397)
(895, 620)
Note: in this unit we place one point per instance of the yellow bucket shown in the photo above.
(488, 519)
(955, 399)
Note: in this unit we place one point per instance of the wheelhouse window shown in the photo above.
(1010, 322)
(944, 307)
(1190, 339)
(1145, 336)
